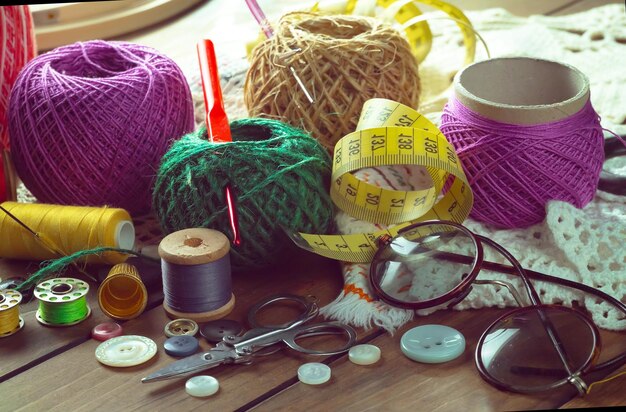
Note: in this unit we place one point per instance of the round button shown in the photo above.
(314, 373)
(432, 344)
(181, 345)
(201, 386)
(124, 351)
(106, 331)
(215, 331)
(364, 354)
(179, 327)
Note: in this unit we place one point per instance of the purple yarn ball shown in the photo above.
(89, 123)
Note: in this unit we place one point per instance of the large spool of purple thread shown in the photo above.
(526, 134)
(89, 122)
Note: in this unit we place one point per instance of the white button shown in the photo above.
(432, 344)
(201, 386)
(314, 373)
(364, 354)
(128, 350)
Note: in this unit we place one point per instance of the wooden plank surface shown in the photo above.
(397, 383)
(74, 380)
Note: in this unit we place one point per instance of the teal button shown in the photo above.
(432, 344)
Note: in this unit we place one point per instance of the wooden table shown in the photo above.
(55, 369)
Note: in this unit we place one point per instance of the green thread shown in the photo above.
(62, 313)
(279, 175)
(54, 267)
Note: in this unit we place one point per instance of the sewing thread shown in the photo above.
(62, 302)
(10, 319)
(514, 170)
(68, 229)
(278, 173)
(89, 122)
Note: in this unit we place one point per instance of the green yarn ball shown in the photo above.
(278, 173)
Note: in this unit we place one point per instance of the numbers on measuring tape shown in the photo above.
(351, 190)
(372, 199)
(383, 138)
(377, 142)
(354, 147)
(404, 121)
(431, 145)
(451, 155)
(397, 202)
(405, 142)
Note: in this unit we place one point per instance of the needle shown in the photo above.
(216, 120)
(265, 25)
(47, 244)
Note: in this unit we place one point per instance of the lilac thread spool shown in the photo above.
(526, 134)
(196, 275)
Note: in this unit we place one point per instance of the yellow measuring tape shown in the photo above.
(389, 134)
(416, 29)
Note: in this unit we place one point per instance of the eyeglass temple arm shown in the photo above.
(535, 301)
(498, 267)
(518, 298)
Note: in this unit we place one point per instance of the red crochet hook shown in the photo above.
(216, 120)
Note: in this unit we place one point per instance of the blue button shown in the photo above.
(432, 344)
(184, 345)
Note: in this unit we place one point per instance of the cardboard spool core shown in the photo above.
(522, 90)
(196, 246)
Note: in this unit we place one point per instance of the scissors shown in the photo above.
(262, 340)
(611, 182)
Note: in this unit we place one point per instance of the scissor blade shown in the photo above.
(191, 364)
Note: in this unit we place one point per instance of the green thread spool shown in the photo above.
(279, 174)
(62, 302)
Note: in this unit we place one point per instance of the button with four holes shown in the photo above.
(180, 346)
(179, 327)
(364, 354)
(215, 331)
(432, 344)
(314, 373)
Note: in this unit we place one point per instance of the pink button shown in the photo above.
(105, 331)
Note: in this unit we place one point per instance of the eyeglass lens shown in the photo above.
(424, 264)
(517, 352)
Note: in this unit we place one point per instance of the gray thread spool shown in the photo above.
(196, 275)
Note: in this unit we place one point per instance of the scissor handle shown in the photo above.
(610, 182)
(319, 329)
(309, 310)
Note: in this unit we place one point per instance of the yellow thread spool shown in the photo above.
(122, 295)
(10, 319)
(68, 228)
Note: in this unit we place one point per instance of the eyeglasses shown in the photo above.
(533, 348)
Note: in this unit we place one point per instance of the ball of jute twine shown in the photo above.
(343, 61)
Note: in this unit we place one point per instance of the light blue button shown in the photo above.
(432, 344)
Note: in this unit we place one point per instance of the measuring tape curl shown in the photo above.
(408, 15)
(390, 134)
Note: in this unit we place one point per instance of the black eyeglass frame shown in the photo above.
(460, 291)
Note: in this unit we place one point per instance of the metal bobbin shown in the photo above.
(9, 301)
(61, 291)
(192, 248)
